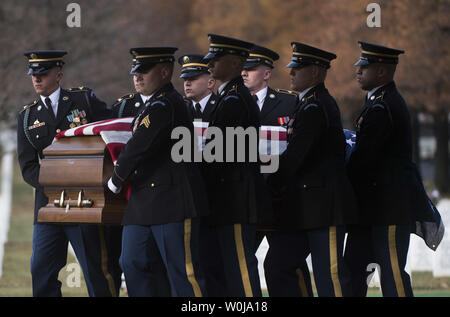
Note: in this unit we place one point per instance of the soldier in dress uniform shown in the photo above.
(162, 205)
(201, 102)
(277, 107)
(57, 109)
(233, 187)
(198, 86)
(382, 172)
(319, 199)
(131, 105)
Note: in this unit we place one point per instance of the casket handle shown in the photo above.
(80, 202)
(60, 202)
(83, 202)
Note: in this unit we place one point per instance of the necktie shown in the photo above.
(48, 103)
(198, 111)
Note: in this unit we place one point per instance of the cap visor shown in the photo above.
(141, 68)
(38, 71)
(193, 74)
(293, 65)
(209, 56)
(361, 62)
(251, 65)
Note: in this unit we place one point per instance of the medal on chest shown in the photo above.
(77, 118)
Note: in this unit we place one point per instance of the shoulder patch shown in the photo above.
(158, 102)
(286, 91)
(311, 105)
(378, 105)
(228, 97)
(29, 106)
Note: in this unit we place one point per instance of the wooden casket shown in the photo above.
(74, 173)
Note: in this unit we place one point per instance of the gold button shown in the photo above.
(153, 184)
(37, 136)
(58, 130)
(135, 172)
(304, 186)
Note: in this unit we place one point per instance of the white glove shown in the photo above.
(113, 187)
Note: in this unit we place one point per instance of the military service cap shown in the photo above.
(261, 56)
(192, 65)
(40, 62)
(223, 45)
(373, 53)
(304, 55)
(144, 58)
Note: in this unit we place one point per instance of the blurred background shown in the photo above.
(99, 58)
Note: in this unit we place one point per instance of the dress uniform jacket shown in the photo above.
(37, 127)
(381, 168)
(162, 190)
(207, 111)
(319, 193)
(278, 107)
(128, 105)
(234, 188)
(278, 104)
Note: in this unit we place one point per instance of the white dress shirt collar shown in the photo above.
(303, 93)
(145, 98)
(261, 97)
(203, 102)
(54, 98)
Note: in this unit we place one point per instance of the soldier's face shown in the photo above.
(256, 78)
(46, 84)
(147, 83)
(198, 87)
(301, 78)
(221, 67)
(367, 76)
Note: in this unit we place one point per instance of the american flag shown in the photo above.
(116, 133)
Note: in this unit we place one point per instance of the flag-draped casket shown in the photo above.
(78, 164)
(75, 170)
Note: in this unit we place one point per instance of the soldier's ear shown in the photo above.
(381, 71)
(166, 71)
(315, 71)
(211, 83)
(267, 74)
(59, 76)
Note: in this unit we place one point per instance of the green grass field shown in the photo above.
(16, 279)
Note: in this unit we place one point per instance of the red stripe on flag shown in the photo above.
(114, 149)
(273, 135)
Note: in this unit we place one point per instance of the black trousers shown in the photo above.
(287, 253)
(386, 246)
